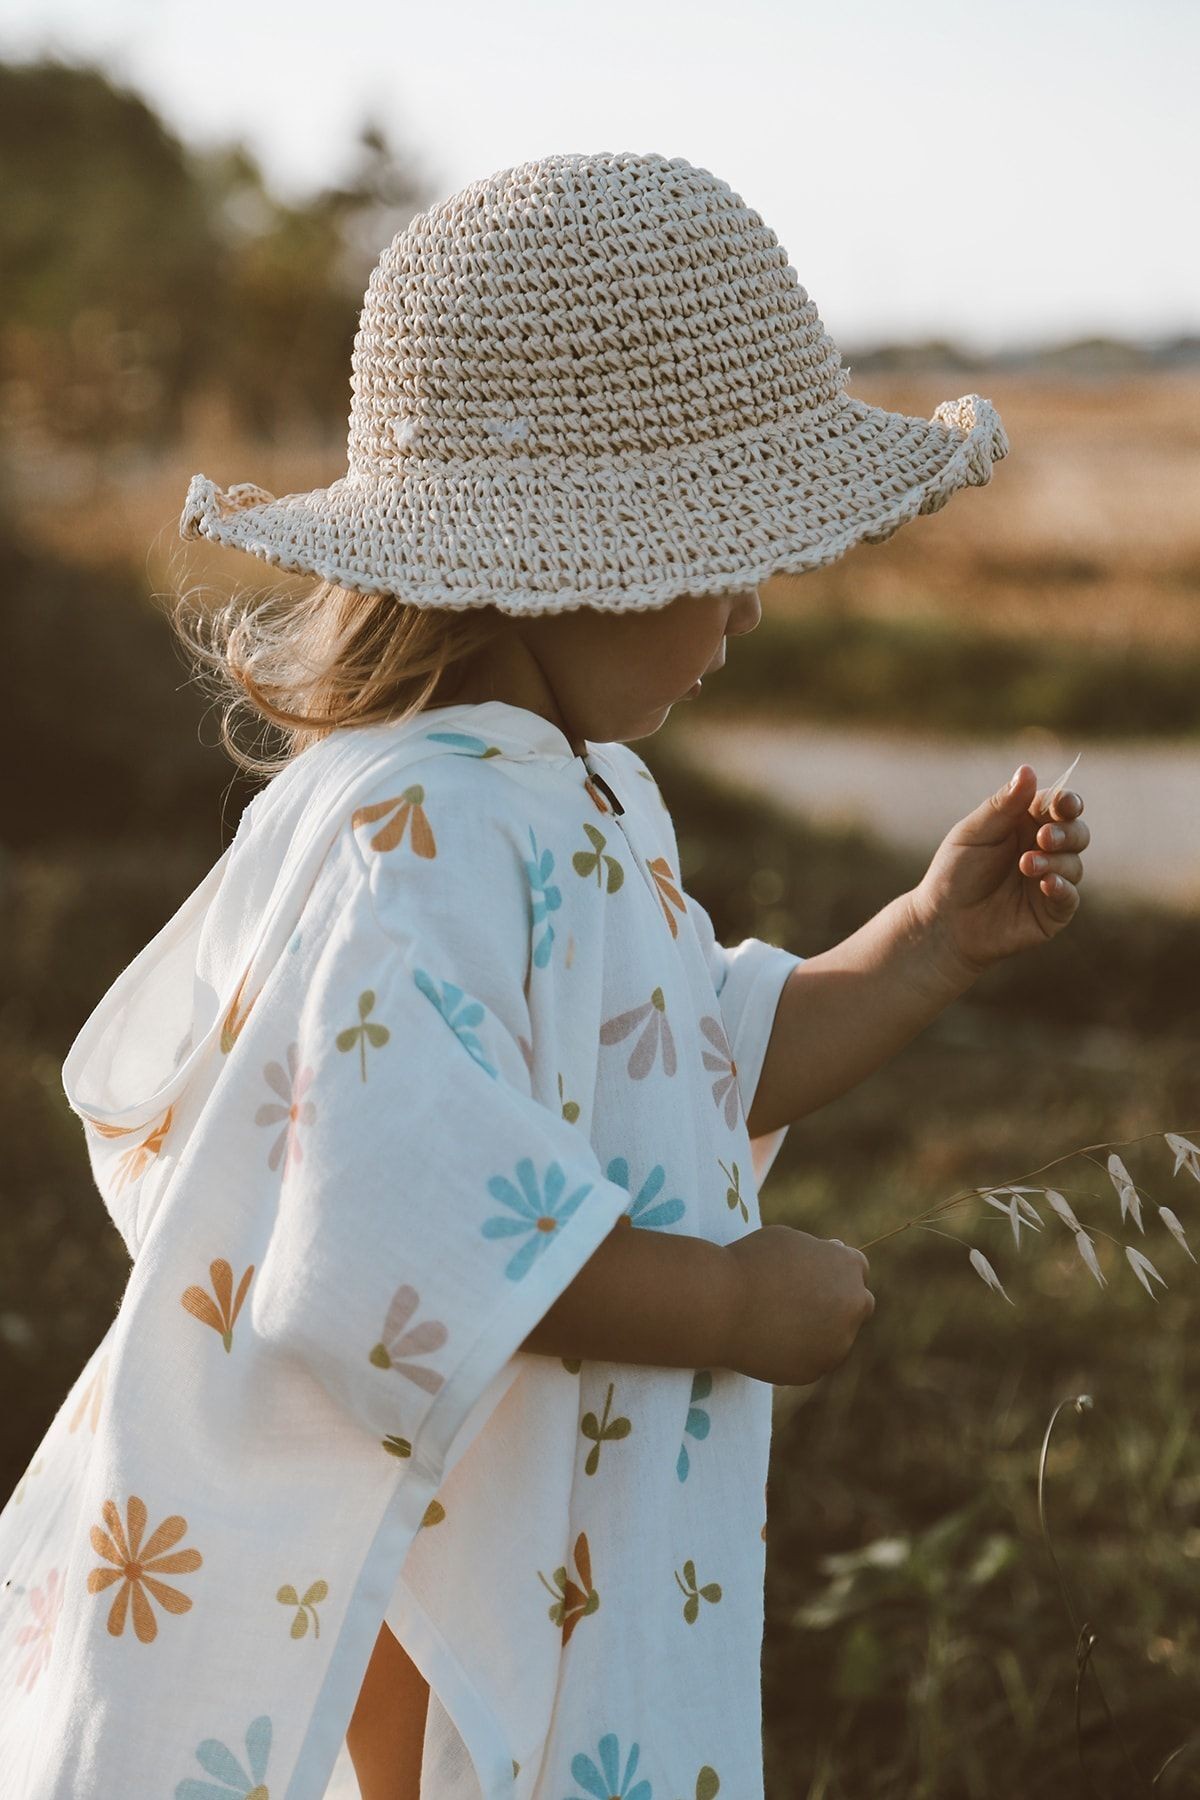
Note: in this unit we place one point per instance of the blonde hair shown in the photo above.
(325, 659)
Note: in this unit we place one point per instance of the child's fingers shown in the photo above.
(1068, 865)
(1066, 806)
(1074, 835)
(1063, 895)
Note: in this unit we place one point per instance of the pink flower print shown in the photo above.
(403, 1340)
(45, 1603)
(726, 1085)
(295, 1111)
(656, 1030)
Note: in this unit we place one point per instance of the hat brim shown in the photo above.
(528, 535)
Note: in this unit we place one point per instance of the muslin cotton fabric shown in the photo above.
(436, 1021)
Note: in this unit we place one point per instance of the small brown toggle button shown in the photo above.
(601, 783)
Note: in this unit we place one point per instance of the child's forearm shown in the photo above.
(845, 1012)
(643, 1296)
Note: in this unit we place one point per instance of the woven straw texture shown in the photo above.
(595, 380)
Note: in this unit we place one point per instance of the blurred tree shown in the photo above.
(136, 272)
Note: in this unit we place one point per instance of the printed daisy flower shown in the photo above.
(45, 1603)
(459, 1013)
(90, 1398)
(236, 1783)
(656, 1031)
(606, 1782)
(640, 1211)
(132, 1164)
(538, 1215)
(465, 741)
(401, 1340)
(295, 1111)
(403, 807)
(236, 1017)
(726, 1085)
(222, 1312)
(547, 897)
(133, 1563)
(665, 881)
(698, 1423)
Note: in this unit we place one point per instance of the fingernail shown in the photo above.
(1015, 780)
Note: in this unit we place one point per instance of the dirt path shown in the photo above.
(1142, 800)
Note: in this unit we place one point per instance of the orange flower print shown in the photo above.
(295, 1111)
(132, 1165)
(234, 1020)
(655, 1030)
(664, 880)
(221, 1314)
(45, 1603)
(93, 1393)
(725, 1087)
(403, 807)
(133, 1562)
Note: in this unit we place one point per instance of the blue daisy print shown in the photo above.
(640, 1211)
(698, 1423)
(458, 1017)
(232, 1781)
(539, 869)
(605, 1782)
(538, 1214)
(463, 740)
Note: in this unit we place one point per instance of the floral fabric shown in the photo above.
(436, 1022)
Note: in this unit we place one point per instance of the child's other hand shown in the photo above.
(803, 1300)
(1005, 878)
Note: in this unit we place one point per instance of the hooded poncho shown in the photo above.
(438, 1018)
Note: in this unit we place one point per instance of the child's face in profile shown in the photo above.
(616, 676)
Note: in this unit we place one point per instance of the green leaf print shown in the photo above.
(396, 1446)
(360, 1033)
(711, 1591)
(313, 1596)
(708, 1783)
(733, 1193)
(602, 1431)
(570, 1108)
(587, 862)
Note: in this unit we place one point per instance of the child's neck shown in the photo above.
(508, 670)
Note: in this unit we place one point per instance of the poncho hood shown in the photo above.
(130, 1069)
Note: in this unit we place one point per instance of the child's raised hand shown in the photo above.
(1005, 878)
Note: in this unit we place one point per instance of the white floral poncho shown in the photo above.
(439, 1016)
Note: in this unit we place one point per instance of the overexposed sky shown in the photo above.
(1000, 172)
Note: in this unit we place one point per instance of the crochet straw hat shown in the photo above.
(595, 380)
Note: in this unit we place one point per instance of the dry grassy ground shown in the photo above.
(1089, 527)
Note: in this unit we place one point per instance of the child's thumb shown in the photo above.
(1015, 789)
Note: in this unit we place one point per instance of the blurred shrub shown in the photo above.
(835, 665)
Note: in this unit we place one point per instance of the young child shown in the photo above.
(427, 1450)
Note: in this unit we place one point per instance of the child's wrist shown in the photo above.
(924, 937)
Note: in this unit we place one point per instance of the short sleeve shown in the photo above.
(432, 1208)
(749, 979)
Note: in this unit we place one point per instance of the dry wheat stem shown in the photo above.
(1085, 1636)
(973, 1193)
